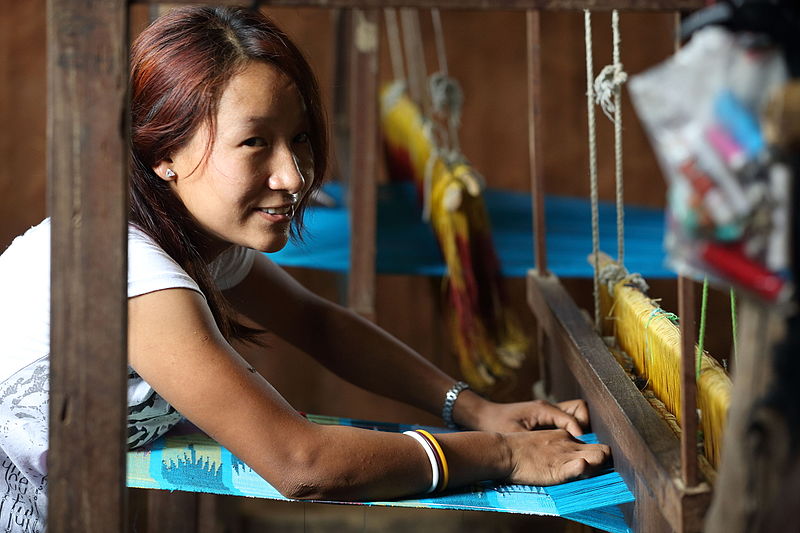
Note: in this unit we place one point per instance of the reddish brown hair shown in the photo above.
(180, 66)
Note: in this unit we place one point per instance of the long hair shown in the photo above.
(180, 65)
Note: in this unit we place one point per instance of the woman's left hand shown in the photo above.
(572, 416)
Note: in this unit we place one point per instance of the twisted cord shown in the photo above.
(619, 74)
(608, 95)
(439, 36)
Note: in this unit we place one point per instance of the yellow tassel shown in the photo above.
(458, 216)
(648, 335)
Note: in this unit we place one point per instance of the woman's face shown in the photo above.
(245, 189)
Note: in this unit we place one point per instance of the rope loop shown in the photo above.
(637, 281)
(446, 95)
(606, 85)
(610, 275)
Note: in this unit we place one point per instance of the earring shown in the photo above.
(169, 174)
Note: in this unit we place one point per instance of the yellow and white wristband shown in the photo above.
(439, 469)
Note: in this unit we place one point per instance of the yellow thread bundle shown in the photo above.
(653, 341)
(487, 337)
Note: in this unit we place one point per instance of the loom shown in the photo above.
(646, 452)
(644, 340)
(655, 345)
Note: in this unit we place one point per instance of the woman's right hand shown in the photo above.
(549, 457)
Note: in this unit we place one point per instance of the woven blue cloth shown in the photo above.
(407, 245)
(189, 461)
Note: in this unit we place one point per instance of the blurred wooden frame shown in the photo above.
(87, 183)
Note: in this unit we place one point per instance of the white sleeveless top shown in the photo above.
(24, 361)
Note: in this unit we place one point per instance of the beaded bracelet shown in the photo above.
(450, 398)
(432, 457)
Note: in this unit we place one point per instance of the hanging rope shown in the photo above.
(587, 21)
(447, 100)
(395, 45)
(415, 58)
(439, 36)
(619, 74)
(608, 95)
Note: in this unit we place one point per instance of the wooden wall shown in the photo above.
(22, 117)
(486, 52)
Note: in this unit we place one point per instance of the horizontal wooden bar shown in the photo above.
(646, 452)
(499, 5)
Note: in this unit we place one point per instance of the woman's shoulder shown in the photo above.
(150, 268)
(37, 238)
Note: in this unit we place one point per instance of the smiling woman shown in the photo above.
(243, 185)
(227, 143)
(169, 112)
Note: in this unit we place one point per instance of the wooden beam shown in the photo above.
(364, 159)
(757, 485)
(502, 5)
(87, 177)
(646, 452)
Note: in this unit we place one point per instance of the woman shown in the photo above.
(228, 142)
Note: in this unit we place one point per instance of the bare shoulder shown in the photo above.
(176, 347)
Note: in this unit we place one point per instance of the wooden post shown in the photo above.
(534, 54)
(341, 20)
(754, 459)
(686, 311)
(87, 176)
(364, 158)
(534, 140)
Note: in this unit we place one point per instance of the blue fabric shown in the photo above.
(189, 461)
(406, 245)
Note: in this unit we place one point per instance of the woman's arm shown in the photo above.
(175, 346)
(360, 352)
(344, 342)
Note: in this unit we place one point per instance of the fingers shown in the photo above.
(553, 456)
(555, 416)
(578, 409)
(567, 422)
(574, 468)
(591, 457)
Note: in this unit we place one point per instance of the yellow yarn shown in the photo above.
(487, 347)
(648, 335)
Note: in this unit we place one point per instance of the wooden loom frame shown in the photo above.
(87, 184)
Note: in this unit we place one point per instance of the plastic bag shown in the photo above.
(728, 194)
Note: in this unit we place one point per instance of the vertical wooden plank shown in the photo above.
(87, 176)
(534, 64)
(172, 512)
(534, 140)
(364, 158)
(757, 487)
(341, 19)
(686, 311)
